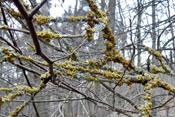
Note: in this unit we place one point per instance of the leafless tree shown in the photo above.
(82, 63)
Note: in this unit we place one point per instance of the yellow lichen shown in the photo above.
(33, 47)
(17, 110)
(158, 56)
(91, 62)
(7, 53)
(130, 86)
(24, 57)
(25, 5)
(5, 89)
(156, 70)
(4, 27)
(79, 18)
(46, 75)
(42, 19)
(89, 78)
(48, 35)
(89, 33)
(109, 45)
(72, 74)
(15, 14)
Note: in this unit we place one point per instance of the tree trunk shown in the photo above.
(112, 7)
(139, 11)
(153, 42)
(153, 28)
(172, 31)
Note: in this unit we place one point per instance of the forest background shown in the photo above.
(90, 59)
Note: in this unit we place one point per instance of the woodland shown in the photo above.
(87, 58)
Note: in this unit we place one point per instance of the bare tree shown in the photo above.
(72, 65)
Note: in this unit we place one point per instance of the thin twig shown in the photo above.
(164, 103)
(28, 32)
(71, 53)
(36, 9)
(127, 65)
(58, 100)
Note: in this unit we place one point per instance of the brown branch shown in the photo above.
(34, 35)
(119, 95)
(158, 39)
(70, 53)
(68, 87)
(26, 68)
(44, 101)
(165, 108)
(8, 43)
(36, 9)
(15, 44)
(127, 65)
(164, 103)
